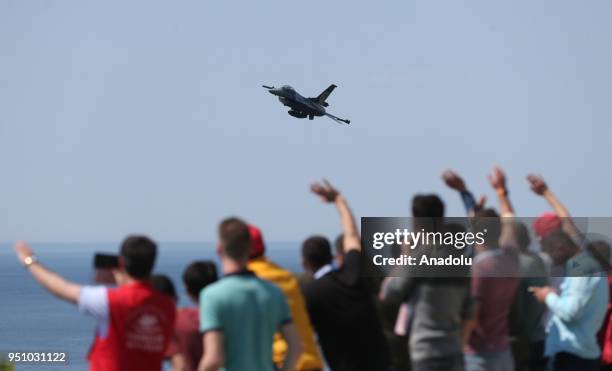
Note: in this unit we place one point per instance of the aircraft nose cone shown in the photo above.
(274, 91)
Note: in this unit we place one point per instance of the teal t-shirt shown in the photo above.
(248, 311)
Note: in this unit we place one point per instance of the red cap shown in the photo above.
(545, 224)
(257, 245)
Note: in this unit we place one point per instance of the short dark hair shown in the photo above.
(316, 251)
(559, 246)
(163, 284)
(488, 219)
(235, 238)
(138, 253)
(198, 275)
(454, 228)
(555, 239)
(427, 206)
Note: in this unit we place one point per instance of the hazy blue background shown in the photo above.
(148, 116)
(33, 320)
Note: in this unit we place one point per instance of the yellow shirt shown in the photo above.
(310, 358)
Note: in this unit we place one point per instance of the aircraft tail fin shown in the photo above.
(323, 96)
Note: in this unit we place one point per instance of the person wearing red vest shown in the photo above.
(135, 322)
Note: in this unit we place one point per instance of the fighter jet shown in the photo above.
(302, 107)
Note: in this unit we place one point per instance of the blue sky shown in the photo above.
(148, 116)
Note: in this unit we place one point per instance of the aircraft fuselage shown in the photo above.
(301, 106)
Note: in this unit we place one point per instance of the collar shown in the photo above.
(139, 283)
(257, 259)
(323, 271)
(243, 272)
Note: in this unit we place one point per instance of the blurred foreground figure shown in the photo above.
(439, 307)
(527, 324)
(240, 313)
(309, 360)
(185, 349)
(495, 273)
(579, 308)
(340, 301)
(495, 281)
(134, 320)
(603, 250)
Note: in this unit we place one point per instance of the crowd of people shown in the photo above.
(520, 308)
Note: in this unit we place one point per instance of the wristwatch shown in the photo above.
(29, 260)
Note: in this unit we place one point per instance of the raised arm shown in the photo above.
(329, 194)
(497, 178)
(539, 187)
(454, 181)
(53, 282)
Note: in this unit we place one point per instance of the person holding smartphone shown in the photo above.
(135, 321)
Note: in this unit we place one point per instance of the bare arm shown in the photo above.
(214, 353)
(349, 227)
(294, 346)
(539, 187)
(498, 181)
(454, 181)
(508, 231)
(178, 363)
(329, 194)
(53, 282)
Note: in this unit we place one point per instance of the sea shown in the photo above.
(31, 319)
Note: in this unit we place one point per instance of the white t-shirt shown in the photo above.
(93, 301)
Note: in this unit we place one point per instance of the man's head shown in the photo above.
(427, 211)
(197, 276)
(316, 252)
(137, 256)
(427, 206)
(234, 240)
(559, 246)
(487, 221)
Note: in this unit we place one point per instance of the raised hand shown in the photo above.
(541, 292)
(329, 194)
(497, 178)
(453, 180)
(325, 191)
(23, 250)
(480, 205)
(537, 184)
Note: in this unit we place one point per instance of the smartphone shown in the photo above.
(103, 268)
(105, 261)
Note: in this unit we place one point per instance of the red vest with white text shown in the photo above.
(140, 325)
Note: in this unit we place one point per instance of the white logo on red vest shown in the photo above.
(144, 330)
